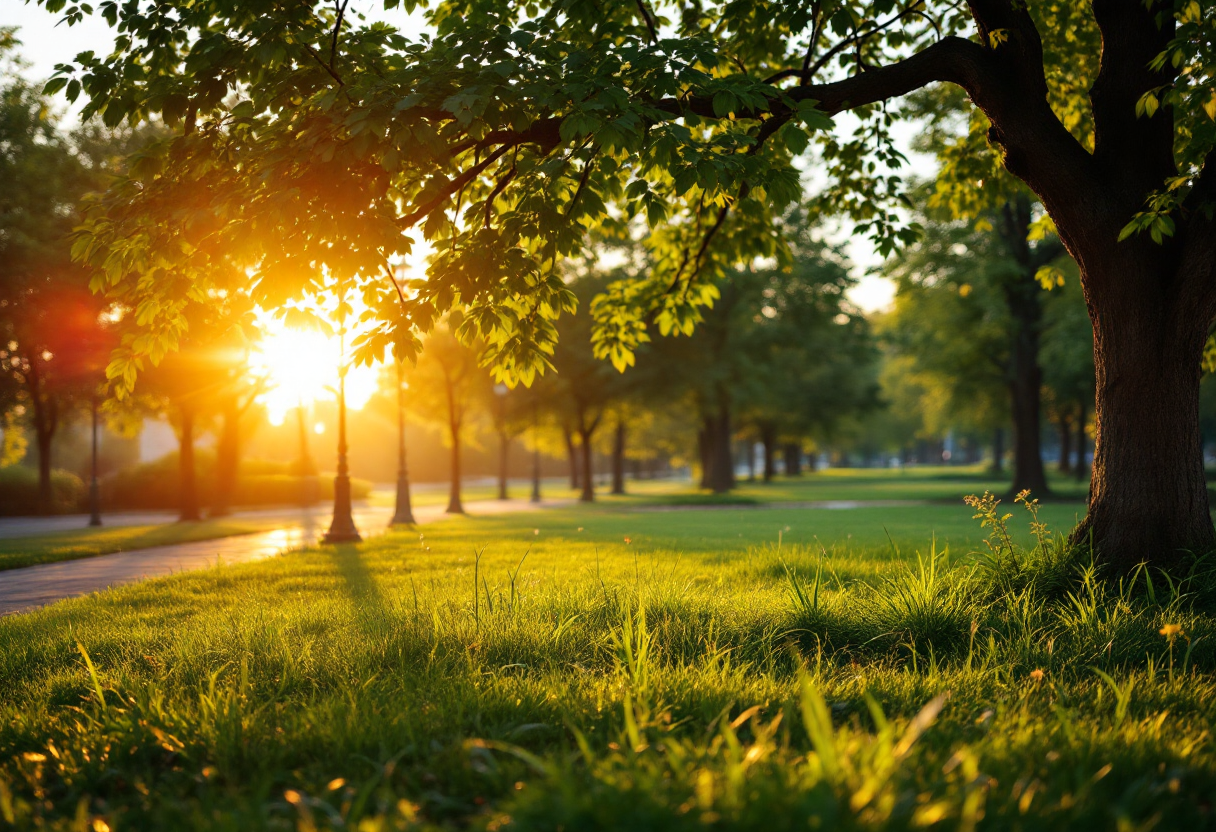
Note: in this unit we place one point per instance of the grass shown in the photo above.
(923, 483)
(86, 543)
(593, 668)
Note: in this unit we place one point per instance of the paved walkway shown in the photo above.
(31, 587)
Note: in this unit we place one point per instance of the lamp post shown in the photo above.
(535, 456)
(94, 491)
(342, 528)
(404, 515)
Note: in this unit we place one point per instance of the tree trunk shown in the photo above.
(793, 459)
(504, 449)
(227, 460)
(588, 492)
(812, 461)
(768, 436)
(618, 458)
(1148, 495)
(572, 455)
(188, 490)
(46, 420)
(1064, 424)
(704, 442)
(1022, 297)
(721, 461)
(998, 451)
(455, 506)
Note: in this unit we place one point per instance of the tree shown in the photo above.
(1068, 370)
(968, 311)
(445, 385)
(505, 137)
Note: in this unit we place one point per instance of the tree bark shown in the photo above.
(1064, 425)
(504, 449)
(588, 493)
(1148, 498)
(188, 489)
(998, 451)
(1022, 297)
(455, 506)
(46, 422)
(721, 460)
(227, 460)
(793, 459)
(618, 457)
(572, 455)
(768, 436)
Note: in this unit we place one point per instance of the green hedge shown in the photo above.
(19, 491)
(155, 485)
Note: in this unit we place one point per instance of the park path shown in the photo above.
(30, 587)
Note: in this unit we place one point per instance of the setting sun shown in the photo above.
(302, 366)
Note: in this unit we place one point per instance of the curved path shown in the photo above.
(30, 587)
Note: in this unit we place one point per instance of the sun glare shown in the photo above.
(302, 368)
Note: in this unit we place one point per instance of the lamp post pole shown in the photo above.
(404, 515)
(342, 528)
(94, 491)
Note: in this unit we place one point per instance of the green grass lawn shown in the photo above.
(598, 668)
(924, 483)
(87, 543)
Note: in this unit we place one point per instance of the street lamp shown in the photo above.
(342, 528)
(94, 491)
(404, 515)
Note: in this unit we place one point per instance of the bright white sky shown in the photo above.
(46, 43)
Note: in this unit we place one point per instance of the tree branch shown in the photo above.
(654, 38)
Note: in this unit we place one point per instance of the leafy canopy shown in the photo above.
(314, 145)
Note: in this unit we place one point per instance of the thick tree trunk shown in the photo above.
(793, 459)
(188, 489)
(455, 506)
(227, 461)
(769, 437)
(721, 460)
(998, 451)
(1064, 425)
(618, 457)
(1148, 495)
(572, 456)
(504, 450)
(588, 493)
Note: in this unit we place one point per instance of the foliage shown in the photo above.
(19, 491)
(156, 484)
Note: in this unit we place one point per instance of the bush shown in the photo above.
(156, 484)
(19, 492)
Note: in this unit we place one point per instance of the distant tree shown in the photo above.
(53, 342)
(1068, 369)
(448, 387)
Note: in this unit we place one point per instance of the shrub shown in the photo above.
(156, 484)
(19, 491)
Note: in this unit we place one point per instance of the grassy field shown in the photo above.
(608, 668)
(87, 543)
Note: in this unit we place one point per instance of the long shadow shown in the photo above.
(370, 606)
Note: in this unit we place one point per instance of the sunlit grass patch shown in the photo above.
(544, 672)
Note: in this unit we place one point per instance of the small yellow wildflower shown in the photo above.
(1171, 630)
(1037, 674)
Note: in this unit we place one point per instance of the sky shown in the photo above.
(46, 42)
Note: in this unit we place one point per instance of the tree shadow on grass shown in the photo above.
(372, 611)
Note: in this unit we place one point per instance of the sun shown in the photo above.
(301, 366)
